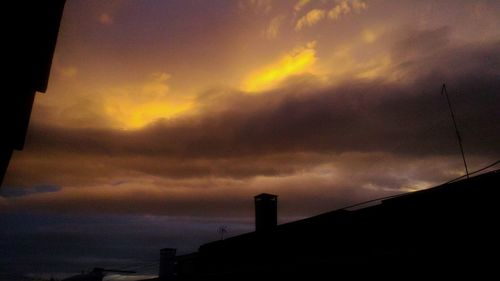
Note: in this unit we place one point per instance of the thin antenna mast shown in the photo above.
(443, 90)
(222, 231)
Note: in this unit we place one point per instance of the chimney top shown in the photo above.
(266, 211)
(266, 196)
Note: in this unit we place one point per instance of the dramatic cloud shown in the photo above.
(299, 61)
(129, 105)
(174, 197)
(358, 115)
(304, 134)
(136, 106)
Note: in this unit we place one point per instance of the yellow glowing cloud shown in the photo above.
(129, 115)
(299, 61)
(310, 19)
(135, 107)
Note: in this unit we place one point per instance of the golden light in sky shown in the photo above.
(136, 107)
(164, 75)
(130, 115)
(187, 109)
(299, 61)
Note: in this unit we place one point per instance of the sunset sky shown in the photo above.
(163, 119)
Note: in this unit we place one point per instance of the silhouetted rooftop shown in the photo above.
(451, 222)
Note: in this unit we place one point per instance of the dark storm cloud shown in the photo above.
(416, 44)
(408, 116)
(210, 200)
(434, 52)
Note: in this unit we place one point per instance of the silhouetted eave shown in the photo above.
(29, 40)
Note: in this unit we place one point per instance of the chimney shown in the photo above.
(266, 211)
(167, 264)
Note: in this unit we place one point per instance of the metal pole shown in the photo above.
(443, 90)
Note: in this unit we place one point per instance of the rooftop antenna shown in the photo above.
(443, 91)
(222, 230)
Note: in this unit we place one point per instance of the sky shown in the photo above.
(163, 119)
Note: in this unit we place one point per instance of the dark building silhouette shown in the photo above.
(266, 212)
(446, 231)
(167, 264)
(29, 33)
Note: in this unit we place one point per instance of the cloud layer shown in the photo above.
(306, 133)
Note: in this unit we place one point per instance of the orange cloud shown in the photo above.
(299, 61)
(311, 18)
(133, 107)
(273, 29)
(344, 7)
